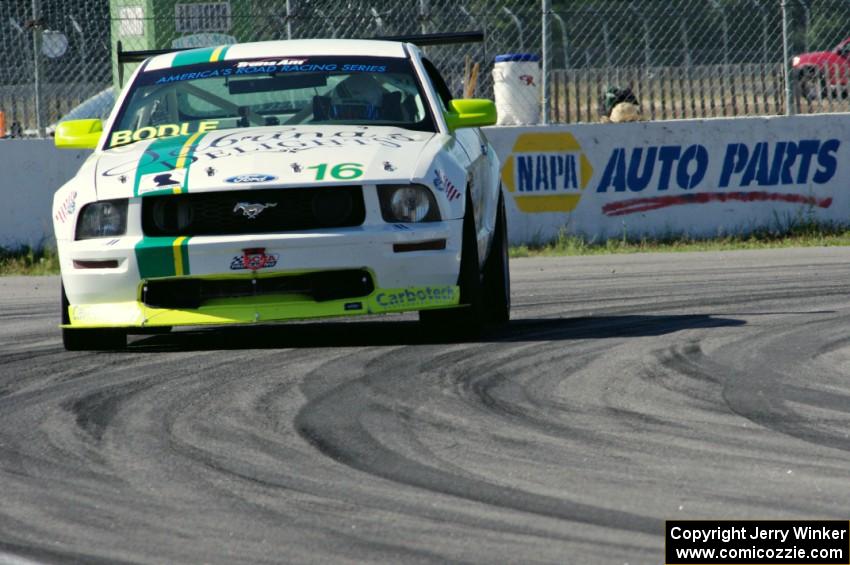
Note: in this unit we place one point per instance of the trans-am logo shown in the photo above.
(254, 260)
(241, 179)
(546, 172)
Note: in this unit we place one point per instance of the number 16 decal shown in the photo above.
(342, 171)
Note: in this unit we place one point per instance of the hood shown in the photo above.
(237, 159)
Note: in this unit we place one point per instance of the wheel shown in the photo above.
(812, 83)
(466, 320)
(89, 339)
(497, 275)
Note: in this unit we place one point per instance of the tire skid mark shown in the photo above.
(764, 395)
(241, 450)
(341, 435)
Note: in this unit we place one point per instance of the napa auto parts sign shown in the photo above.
(699, 177)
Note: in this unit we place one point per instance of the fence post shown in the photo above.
(546, 8)
(36, 65)
(423, 16)
(786, 71)
(288, 19)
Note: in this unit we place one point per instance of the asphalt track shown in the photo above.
(627, 390)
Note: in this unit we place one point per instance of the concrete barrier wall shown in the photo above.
(30, 172)
(698, 177)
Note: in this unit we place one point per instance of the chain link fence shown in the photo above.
(700, 58)
(682, 58)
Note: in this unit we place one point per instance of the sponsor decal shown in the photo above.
(364, 69)
(209, 73)
(401, 227)
(271, 67)
(349, 306)
(443, 184)
(527, 80)
(202, 59)
(162, 181)
(67, 208)
(240, 179)
(301, 65)
(412, 297)
(83, 313)
(546, 172)
(243, 64)
(664, 169)
(295, 140)
(123, 137)
(162, 154)
(252, 210)
(254, 260)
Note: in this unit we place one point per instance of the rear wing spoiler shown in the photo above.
(424, 39)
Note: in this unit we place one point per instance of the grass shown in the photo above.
(802, 235)
(45, 261)
(28, 261)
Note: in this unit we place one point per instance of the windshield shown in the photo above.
(271, 92)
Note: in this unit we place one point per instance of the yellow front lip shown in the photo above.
(262, 309)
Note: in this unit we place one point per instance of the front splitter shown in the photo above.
(267, 308)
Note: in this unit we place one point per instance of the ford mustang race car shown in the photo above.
(281, 180)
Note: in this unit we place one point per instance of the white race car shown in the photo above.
(281, 180)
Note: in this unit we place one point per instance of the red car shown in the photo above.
(823, 73)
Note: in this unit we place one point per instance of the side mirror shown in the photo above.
(78, 134)
(470, 113)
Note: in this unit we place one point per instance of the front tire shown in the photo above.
(467, 320)
(497, 275)
(75, 339)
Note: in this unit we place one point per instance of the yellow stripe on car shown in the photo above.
(183, 156)
(216, 55)
(178, 255)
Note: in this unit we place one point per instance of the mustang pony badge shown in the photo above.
(251, 210)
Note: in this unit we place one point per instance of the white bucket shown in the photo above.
(516, 86)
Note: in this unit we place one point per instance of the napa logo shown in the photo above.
(546, 172)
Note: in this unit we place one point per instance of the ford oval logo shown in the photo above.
(240, 179)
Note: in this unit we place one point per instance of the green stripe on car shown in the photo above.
(196, 56)
(163, 257)
(167, 155)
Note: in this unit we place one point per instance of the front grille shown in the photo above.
(321, 286)
(253, 211)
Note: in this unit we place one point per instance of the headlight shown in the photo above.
(795, 61)
(408, 203)
(107, 218)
